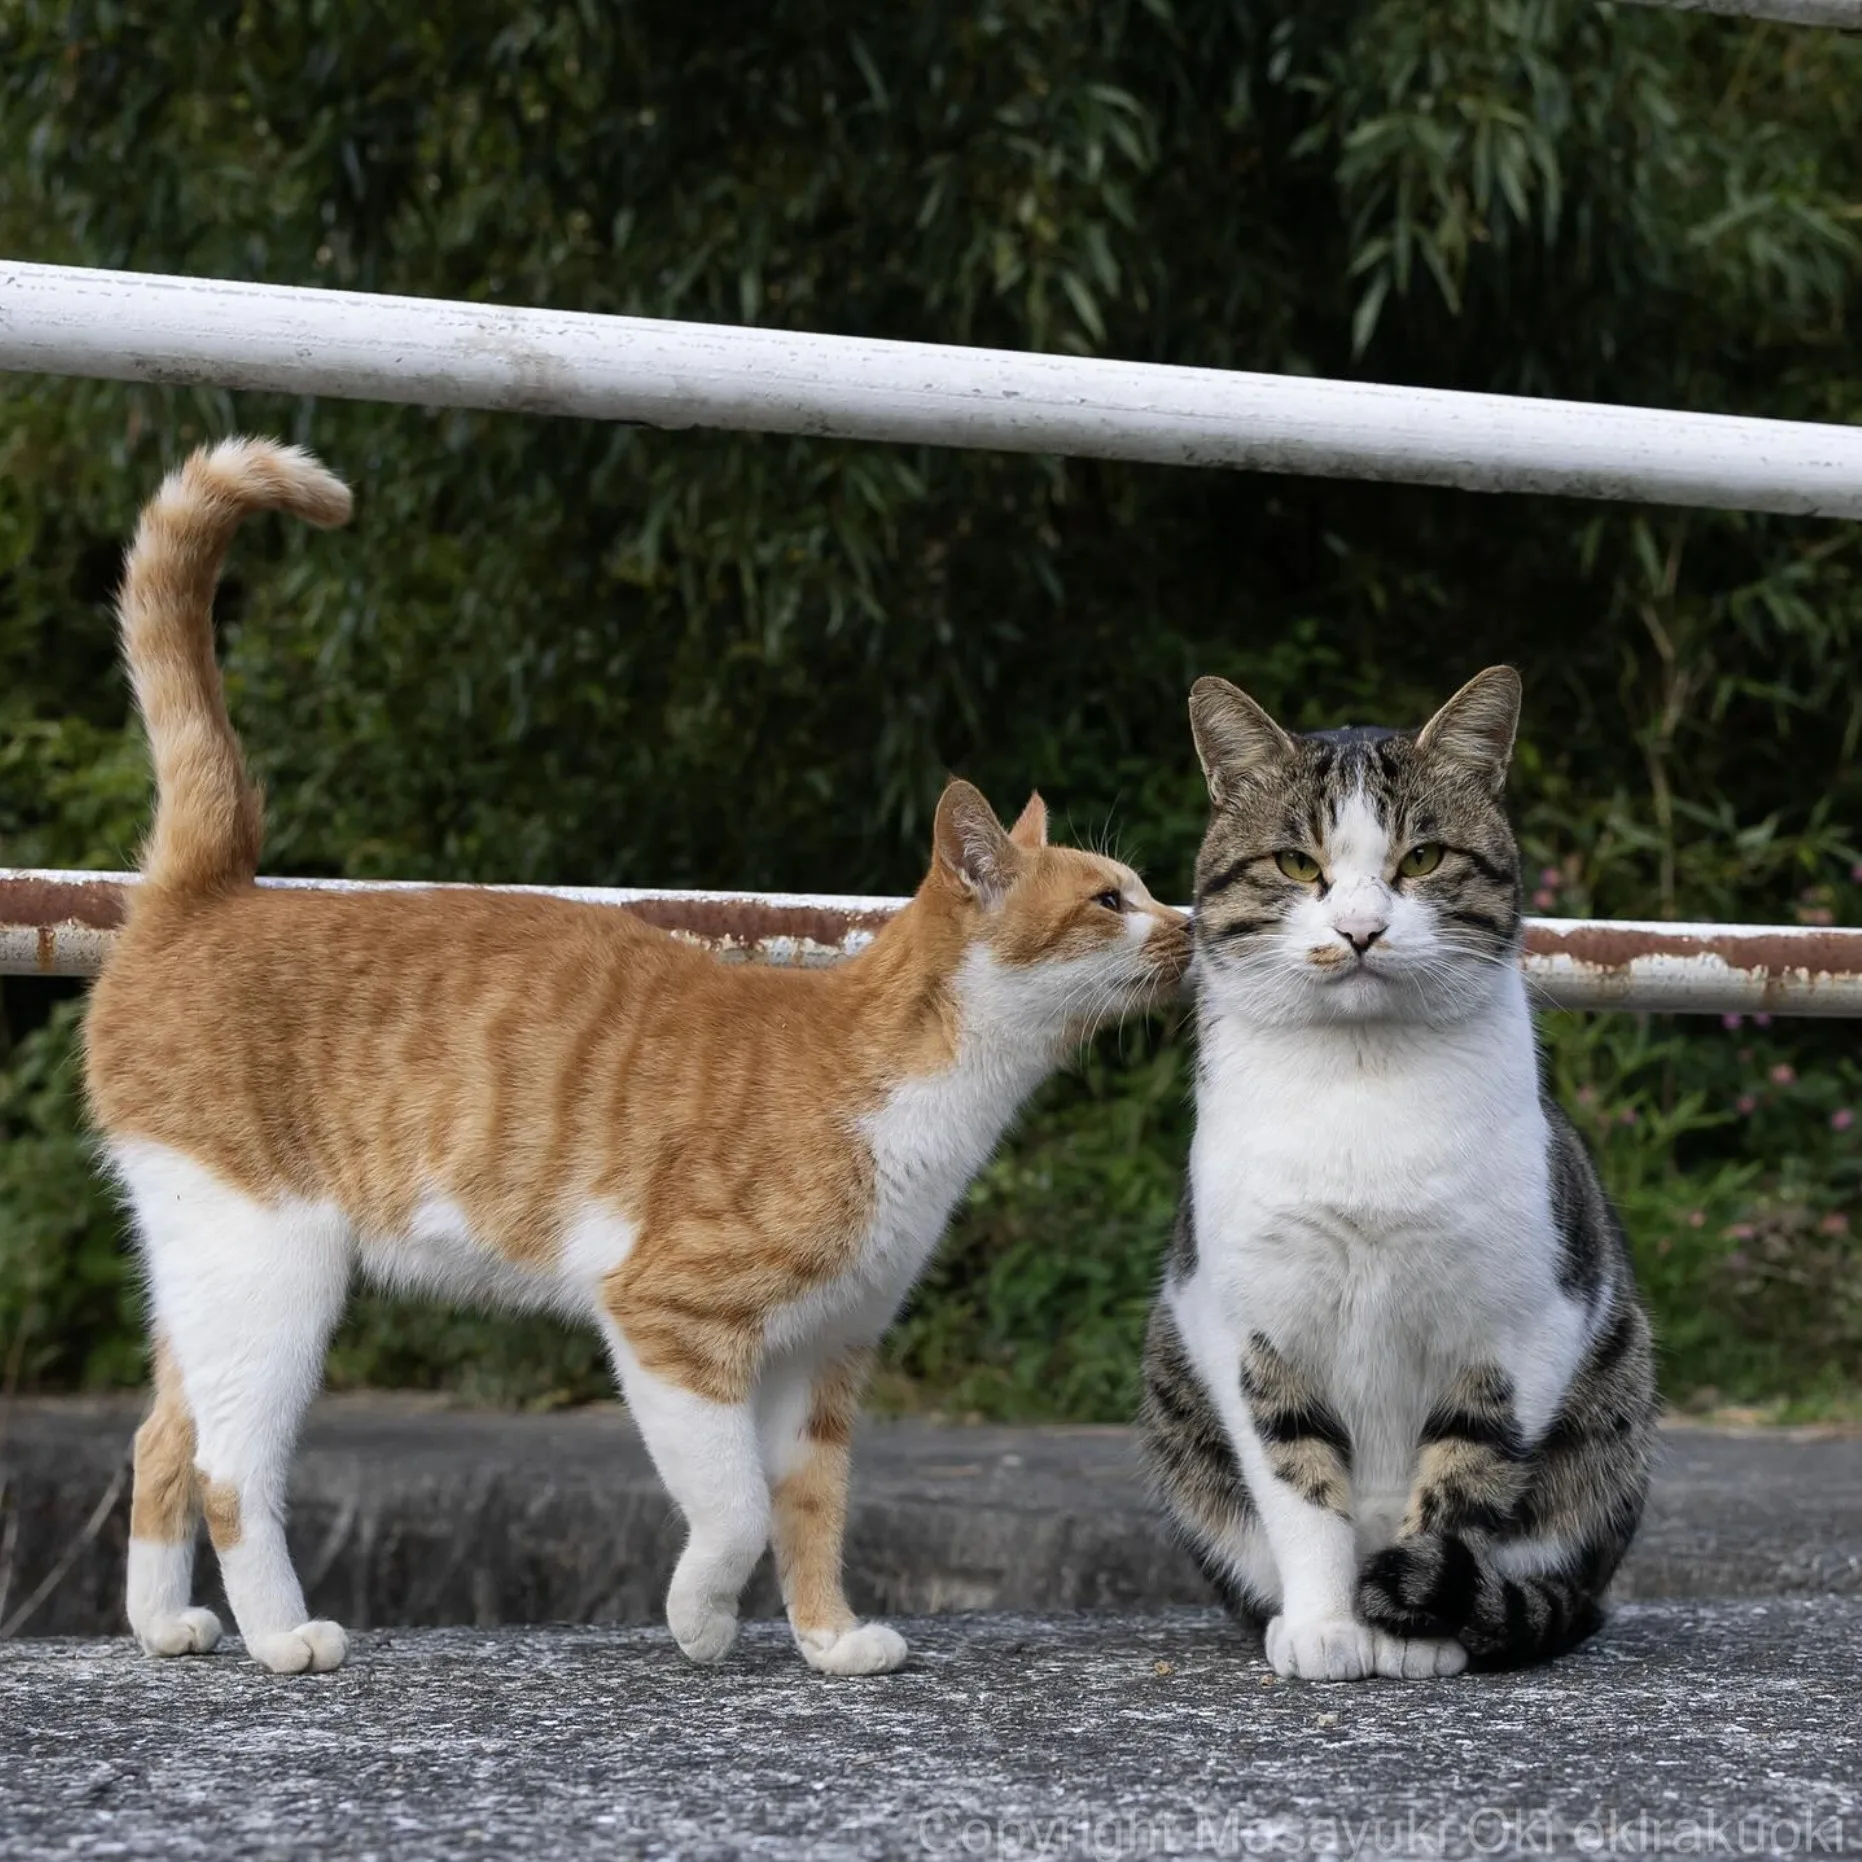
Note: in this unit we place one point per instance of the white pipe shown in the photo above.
(62, 924)
(124, 326)
(1793, 12)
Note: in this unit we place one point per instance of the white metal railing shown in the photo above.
(1795, 12)
(126, 326)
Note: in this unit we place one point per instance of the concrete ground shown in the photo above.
(1687, 1728)
(403, 1512)
(1071, 1699)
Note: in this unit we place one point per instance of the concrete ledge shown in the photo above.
(404, 1512)
(1686, 1728)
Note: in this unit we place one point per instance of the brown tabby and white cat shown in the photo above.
(735, 1172)
(1399, 1390)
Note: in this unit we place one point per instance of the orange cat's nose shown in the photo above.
(1171, 939)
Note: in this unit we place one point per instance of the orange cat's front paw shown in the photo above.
(315, 1647)
(704, 1630)
(865, 1649)
(190, 1632)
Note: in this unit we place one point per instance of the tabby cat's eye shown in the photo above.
(1297, 865)
(1421, 860)
(1111, 901)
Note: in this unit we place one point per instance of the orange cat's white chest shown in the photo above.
(926, 1142)
(923, 1158)
(933, 1134)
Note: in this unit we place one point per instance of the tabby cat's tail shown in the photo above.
(1443, 1585)
(208, 815)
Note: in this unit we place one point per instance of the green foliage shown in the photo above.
(561, 650)
(67, 1305)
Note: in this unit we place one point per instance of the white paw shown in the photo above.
(866, 1649)
(1332, 1649)
(193, 1632)
(311, 1648)
(703, 1628)
(1418, 1658)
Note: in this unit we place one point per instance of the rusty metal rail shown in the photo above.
(63, 923)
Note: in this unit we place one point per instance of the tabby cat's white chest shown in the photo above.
(1377, 1201)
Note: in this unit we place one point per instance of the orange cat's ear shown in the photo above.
(1030, 830)
(972, 847)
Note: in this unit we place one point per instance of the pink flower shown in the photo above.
(1746, 1105)
(1761, 1020)
(1835, 1223)
(1783, 1074)
(1841, 1119)
(1552, 877)
(1855, 872)
(1628, 1116)
(1544, 900)
(1730, 1022)
(1742, 1231)
(1587, 1095)
(1697, 1218)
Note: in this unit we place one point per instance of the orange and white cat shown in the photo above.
(736, 1173)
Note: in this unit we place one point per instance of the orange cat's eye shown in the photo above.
(1112, 901)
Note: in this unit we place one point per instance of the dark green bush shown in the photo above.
(558, 650)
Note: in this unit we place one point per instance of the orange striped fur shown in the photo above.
(736, 1172)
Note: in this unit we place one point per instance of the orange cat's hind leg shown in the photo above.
(807, 1412)
(163, 1520)
(245, 1296)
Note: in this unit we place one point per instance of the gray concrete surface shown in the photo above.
(404, 1513)
(1687, 1728)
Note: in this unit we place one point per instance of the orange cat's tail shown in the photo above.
(208, 816)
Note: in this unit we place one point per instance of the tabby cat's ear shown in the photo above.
(1476, 727)
(1234, 736)
(972, 846)
(1030, 830)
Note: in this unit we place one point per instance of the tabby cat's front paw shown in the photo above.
(1418, 1658)
(1331, 1649)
